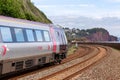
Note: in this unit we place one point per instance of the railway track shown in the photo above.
(69, 68)
(70, 71)
(82, 51)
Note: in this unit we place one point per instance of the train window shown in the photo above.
(39, 35)
(46, 35)
(57, 36)
(30, 35)
(19, 34)
(6, 34)
(63, 39)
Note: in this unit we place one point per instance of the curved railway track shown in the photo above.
(70, 71)
(69, 67)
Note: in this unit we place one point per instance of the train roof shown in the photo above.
(17, 20)
(10, 21)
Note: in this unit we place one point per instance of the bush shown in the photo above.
(22, 9)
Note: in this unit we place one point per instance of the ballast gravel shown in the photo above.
(107, 68)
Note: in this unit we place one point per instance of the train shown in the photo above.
(25, 44)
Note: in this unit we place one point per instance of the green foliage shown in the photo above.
(22, 9)
(72, 49)
(9, 8)
(94, 30)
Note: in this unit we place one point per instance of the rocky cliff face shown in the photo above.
(95, 34)
(101, 36)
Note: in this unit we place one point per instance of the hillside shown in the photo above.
(23, 9)
(95, 34)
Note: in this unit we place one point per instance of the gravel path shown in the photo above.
(107, 68)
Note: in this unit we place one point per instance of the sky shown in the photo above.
(91, 8)
(72, 9)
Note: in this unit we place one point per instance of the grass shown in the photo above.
(72, 49)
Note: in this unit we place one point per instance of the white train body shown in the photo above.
(24, 44)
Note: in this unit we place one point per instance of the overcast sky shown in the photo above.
(86, 8)
(91, 8)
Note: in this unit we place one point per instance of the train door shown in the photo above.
(54, 40)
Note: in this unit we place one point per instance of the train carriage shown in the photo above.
(24, 44)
